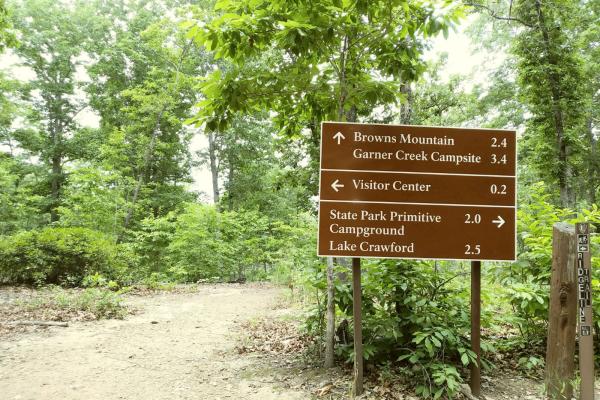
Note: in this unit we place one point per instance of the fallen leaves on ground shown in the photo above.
(272, 336)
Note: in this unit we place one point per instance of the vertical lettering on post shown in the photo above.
(584, 291)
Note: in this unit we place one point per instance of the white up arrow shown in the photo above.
(339, 137)
(336, 185)
(500, 221)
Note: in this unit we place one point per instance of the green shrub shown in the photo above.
(414, 313)
(101, 303)
(525, 284)
(59, 256)
(97, 303)
(203, 244)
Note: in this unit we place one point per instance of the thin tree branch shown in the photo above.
(494, 15)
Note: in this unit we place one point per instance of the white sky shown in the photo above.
(458, 46)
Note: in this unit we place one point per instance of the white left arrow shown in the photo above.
(339, 137)
(500, 221)
(336, 185)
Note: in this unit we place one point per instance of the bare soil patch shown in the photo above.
(178, 346)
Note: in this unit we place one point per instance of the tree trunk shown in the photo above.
(55, 185)
(406, 108)
(230, 193)
(350, 116)
(214, 168)
(330, 327)
(593, 166)
(564, 173)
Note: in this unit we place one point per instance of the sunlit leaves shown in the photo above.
(360, 50)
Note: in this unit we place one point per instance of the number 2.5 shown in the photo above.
(472, 250)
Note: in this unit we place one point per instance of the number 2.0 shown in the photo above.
(472, 219)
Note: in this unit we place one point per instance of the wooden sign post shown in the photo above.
(476, 326)
(584, 291)
(398, 191)
(357, 385)
(570, 306)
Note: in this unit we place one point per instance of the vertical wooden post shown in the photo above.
(357, 387)
(330, 326)
(586, 326)
(476, 326)
(560, 350)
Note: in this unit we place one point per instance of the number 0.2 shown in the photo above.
(498, 189)
(472, 250)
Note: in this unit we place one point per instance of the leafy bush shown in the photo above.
(526, 282)
(59, 255)
(98, 280)
(414, 313)
(204, 244)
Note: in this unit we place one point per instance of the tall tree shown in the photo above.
(550, 75)
(589, 39)
(550, 71)
(328, 59)
(258, 170)
(142, 89)
(51, 36)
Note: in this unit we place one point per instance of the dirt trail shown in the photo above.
(179, 347)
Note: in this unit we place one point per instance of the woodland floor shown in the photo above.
(207, 342)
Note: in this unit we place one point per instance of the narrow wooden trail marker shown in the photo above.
(584, 291)
(399, 191)
(570, 314)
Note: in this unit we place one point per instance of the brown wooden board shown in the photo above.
(454, 199)
(416, 231)
(417, 188)
(373, 147)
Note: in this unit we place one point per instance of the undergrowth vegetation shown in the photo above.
(416, 314)
(54, 303)
(98, 303)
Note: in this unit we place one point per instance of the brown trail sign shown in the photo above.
(416, 231)
(397, 191)
(417, 192)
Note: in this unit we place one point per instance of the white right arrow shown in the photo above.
(336, 185)
(500, 221)
(339, 137)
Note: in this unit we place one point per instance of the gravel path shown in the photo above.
(180, 346)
